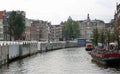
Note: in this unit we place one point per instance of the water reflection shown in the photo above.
(64, 61)
(108, 66)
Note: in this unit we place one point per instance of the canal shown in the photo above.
(63, 61)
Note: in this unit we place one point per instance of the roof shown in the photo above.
(1, 14)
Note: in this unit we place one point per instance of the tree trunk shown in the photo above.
(118, 44)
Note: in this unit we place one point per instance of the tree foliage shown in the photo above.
(103, 36)
(118, 32)
(16, 25)
(71, 29)
(95, 36)
(112, 37)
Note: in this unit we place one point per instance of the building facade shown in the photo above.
(28, 23)
(56, 32)
(35, 30)
(110, 26)
(40, 30)
(87, 26)
(45, 29)
(1, 25)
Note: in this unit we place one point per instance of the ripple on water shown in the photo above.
(64, 61)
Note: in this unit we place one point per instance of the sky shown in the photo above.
(55, 11)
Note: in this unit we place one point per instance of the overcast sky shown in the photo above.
(56, 11)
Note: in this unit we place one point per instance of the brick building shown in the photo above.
(116, 16)
(56, 32)
(1, 25)
(40, 30)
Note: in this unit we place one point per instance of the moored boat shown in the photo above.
(89, 47)
(105, 56)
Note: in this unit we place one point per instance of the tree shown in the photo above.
(110, 37)
(102, 36)
(117, 32)
(71, 29)
(95, 36)
(16, 25)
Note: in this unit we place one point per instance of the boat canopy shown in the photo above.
(113, 43)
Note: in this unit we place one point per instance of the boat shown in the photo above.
(89, 47)
(105, 55)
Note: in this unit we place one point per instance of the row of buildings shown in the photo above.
(117, 19)
(34, 29)
(4, 23)
(43, 30)
(87, 26)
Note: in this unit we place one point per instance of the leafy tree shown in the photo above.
(108, 34)
(108, 37)
(118, 32)
(102, 36)
(112, 37)
(95, 36)
(71, 29)
(16, 25)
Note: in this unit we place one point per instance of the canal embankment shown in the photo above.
(10, 51)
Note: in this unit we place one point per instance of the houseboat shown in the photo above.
(108, 55)
(89, 45)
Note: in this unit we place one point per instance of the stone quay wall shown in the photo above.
(10, 51)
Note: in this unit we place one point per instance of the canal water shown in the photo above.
(63, 61)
